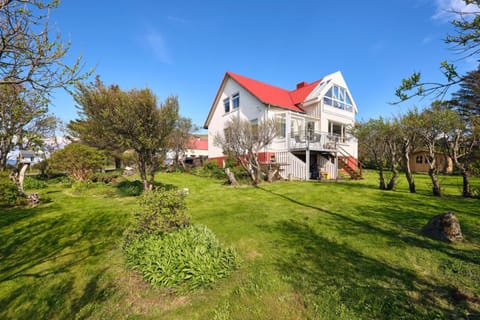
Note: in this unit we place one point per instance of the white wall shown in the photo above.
(250, 108)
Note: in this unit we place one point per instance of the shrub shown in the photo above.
(211, 169)
(161, 210)
(187, 259)
(77, 160)
(8, 191)
(130, 188)
(105, 177)
(34, 183)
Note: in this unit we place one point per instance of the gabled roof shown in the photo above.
(275, 96)
(268, 94)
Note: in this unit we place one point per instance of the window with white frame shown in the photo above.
(337, 130)
(282, 122)
(236, 100)
(338, 97)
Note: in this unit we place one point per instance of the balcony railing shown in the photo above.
(312, 140)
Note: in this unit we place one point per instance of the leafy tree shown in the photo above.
(466, 41)
(408, 125)
(431, 127)
(243, 142)
(79, 161)
(466, 100)
(90, 127)
(461, 137)
(128, 120)
(379, 141)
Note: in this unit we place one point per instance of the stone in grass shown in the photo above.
(444, 227)
(33, 199)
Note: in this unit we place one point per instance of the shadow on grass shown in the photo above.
(332, 272)
(44, 261)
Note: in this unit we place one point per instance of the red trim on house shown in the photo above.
(351, 162)
(219, 160)
(266, 156)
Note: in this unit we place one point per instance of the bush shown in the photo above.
(211, 169)
(187, 259)
(160, 210)
(34, 183)
(130, 188)
(105, 177)
(77, 160)
(8, 191)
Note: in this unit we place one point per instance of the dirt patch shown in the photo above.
(140, 298)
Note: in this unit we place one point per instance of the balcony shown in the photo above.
(314, 141)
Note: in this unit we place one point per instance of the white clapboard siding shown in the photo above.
(291, 166)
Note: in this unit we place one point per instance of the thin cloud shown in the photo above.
(157, 44)
(176, 19)
(450, 9)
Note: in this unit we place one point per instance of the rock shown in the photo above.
(444, 227)
(33, 199)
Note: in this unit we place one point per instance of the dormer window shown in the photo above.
(338, 97)
(236, 100)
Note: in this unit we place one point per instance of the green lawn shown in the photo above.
(310, 250)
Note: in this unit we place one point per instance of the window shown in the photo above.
(282, 126)
(236, 100)
(338, 97)
(419, 159)
(226, 105)
(337, 130)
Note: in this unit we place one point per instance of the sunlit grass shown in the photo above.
(315, 250)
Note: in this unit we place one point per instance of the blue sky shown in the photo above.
(185, 47)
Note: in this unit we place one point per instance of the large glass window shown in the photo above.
(236, 100)
(338, 97)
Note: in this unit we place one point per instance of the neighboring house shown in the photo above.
(314, 119)
(419, 164)
(198, 146)
(26, 157)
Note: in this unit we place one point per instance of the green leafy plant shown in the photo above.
(187, 259)
(8, 191)
(130, 188)
(161, 210)
(34, 183)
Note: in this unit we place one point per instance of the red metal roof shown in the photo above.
(276, 96)
(197, 144)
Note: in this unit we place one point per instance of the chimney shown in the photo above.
(301, 85)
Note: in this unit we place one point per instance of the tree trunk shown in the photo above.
(118, 163)
(231, 177)
(381, 178)
(435, 183)
(21, 178)
(408, 170)
(466, 192)
(393, 180)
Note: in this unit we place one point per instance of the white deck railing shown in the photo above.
(320, 141)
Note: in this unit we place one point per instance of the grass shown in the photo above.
(310, 251)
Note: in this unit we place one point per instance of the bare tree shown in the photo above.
(244, 141)
(31, 66)
(180, 139)
(28, 54)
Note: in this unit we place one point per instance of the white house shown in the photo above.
(314, 120)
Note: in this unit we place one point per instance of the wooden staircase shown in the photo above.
(354, 174)
(343, 164)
